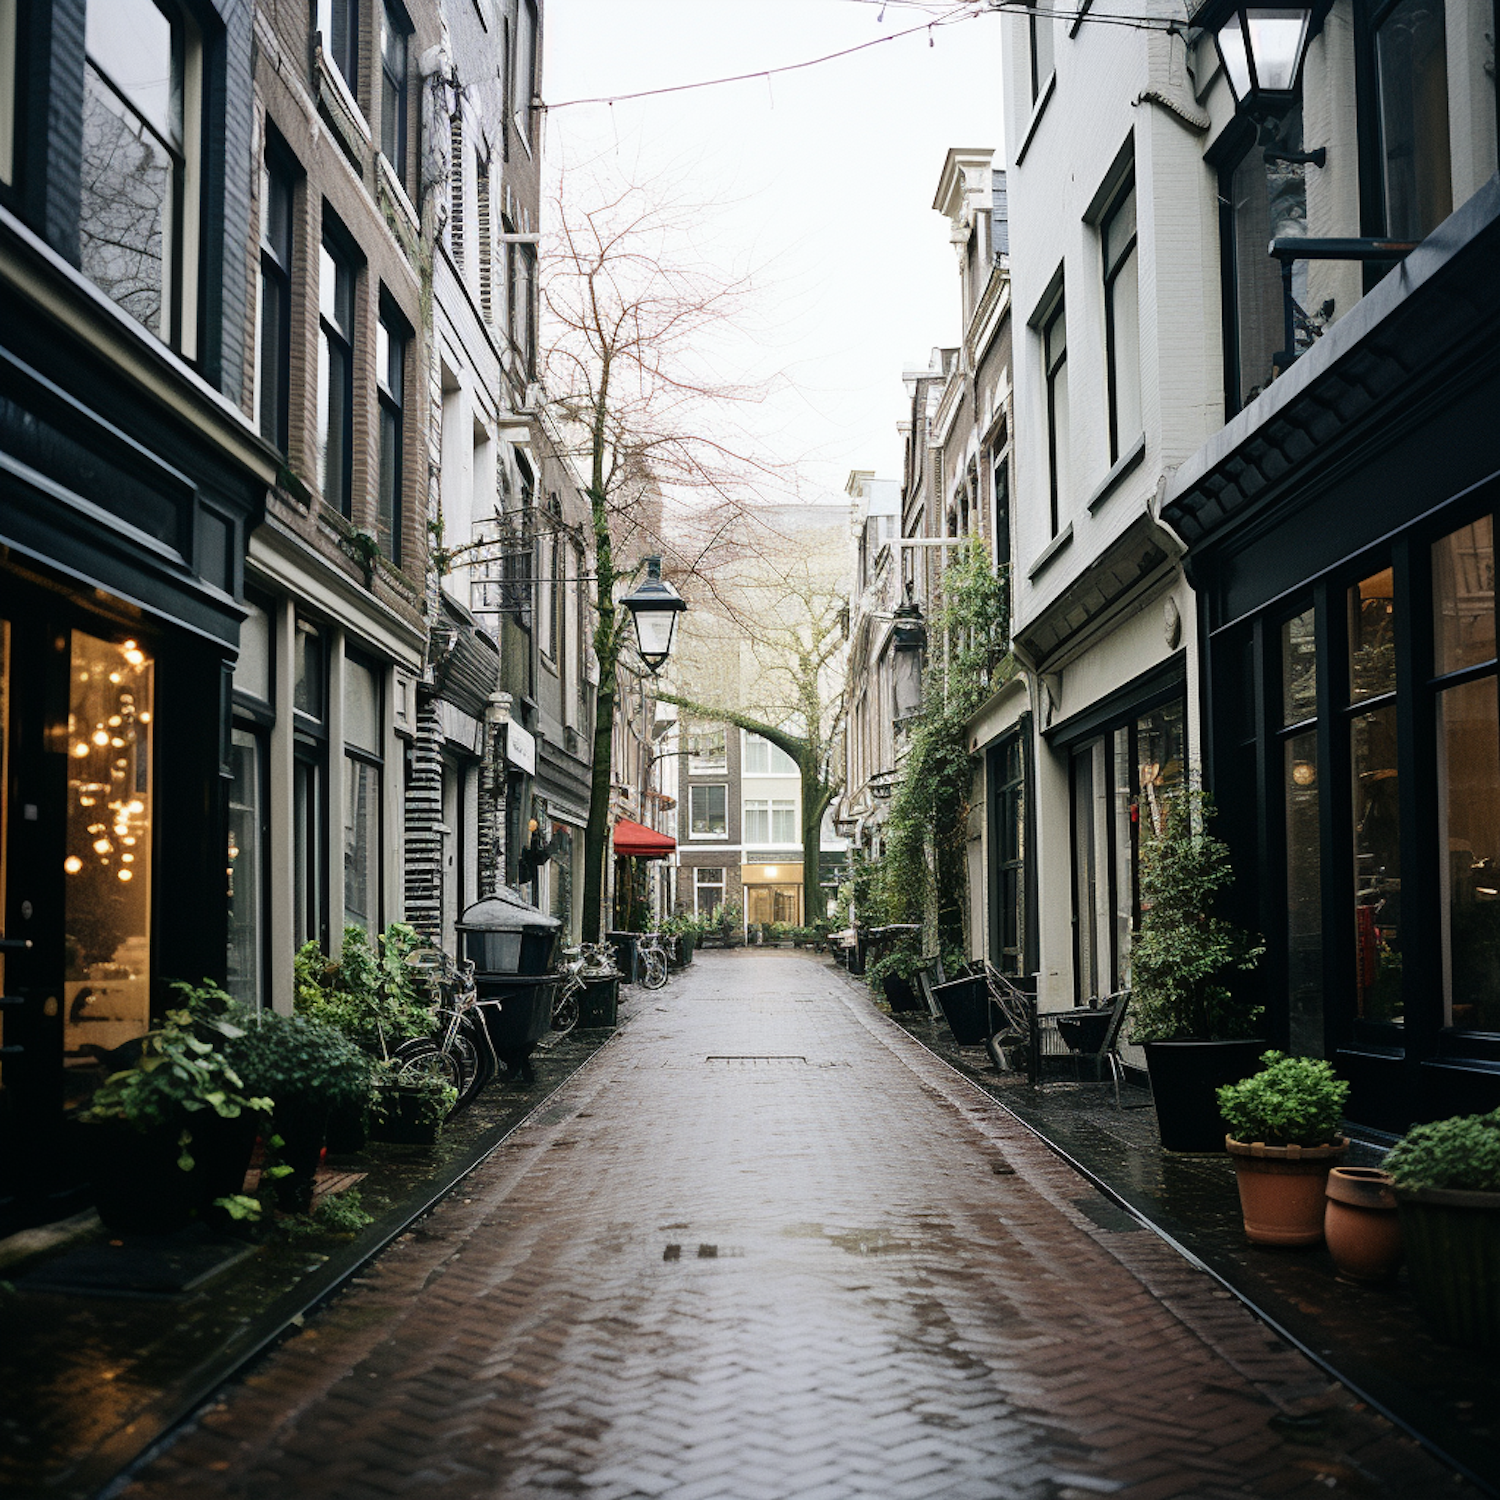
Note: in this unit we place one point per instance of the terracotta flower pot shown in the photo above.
(1361, 1224)
(1282, 1189)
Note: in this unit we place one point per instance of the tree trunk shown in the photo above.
(596, 835)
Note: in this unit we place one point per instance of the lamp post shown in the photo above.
(654, 607)
(1262, 48)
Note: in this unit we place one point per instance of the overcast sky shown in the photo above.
(826, 176)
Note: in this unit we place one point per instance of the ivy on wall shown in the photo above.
(923, 876)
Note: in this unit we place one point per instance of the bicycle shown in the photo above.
(585, 965)
(651, 951)
(460, 1047)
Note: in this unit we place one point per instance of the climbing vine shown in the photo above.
(923, 876)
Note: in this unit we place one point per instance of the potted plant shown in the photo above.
(411, 1102)
(1197, 1031)
(965, 1001)
(1283, 1136)
(308, 1068)
(1361, 1223)
(173, 1131)
(372, 995)
(1446, 1177)
(892, 974)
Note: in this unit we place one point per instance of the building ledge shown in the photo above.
(1060, 543)
(1127, 463)
(1037, 111)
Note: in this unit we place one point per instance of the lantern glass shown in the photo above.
(1277, 36)
(1236, 60)
(653, 632)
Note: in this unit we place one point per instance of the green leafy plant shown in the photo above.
(422, 1094)
(370, 994)
(339, 1215)
(1183, 951)
(1292, 1101)
(301, 1063)
(1461, 1152)
(903, 960)
(176, 1076)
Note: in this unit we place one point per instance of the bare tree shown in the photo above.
(633, 314)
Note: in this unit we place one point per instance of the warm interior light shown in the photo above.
(100, 737)
(72, 864)
(102, 846)
(124, 874)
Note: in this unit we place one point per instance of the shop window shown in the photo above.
(1412, 77)
(707, 811)
(1300, 802)
(1375, 785)
(708, 891)
(1122, 321)
(138, 196)
(336, 377)
(394, 33)
(310, 784)
(274, 338)
(1059, 422)
(362, 777)
(1468, 730)
(107, 898)
(1008, 831)
(391, 339)
(1299, 669)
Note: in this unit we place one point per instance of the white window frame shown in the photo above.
(692, 813)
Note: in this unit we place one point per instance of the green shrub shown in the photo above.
(302, 1064)
(1461, 1152)
(340, 1215)
(372, 995)
(903, 960)
(1292, 1101)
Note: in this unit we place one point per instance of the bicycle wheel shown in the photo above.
(422, 1054)
(565, 1007)
(656, 970)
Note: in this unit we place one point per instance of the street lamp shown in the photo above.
(654, 608)
(1262, 48)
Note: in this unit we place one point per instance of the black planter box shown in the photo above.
(597, 1002)
(1185, 1079)
(625, 961)
(966, 1008)
(899, 994)
(400, 1120)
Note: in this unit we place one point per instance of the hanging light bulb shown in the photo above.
(72, 864)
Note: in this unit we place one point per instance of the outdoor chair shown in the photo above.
(930, 973)
(1013, 1015)
(1087, 1033)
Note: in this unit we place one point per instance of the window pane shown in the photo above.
(131, 41)
(362, 846)
(1411, 56)
(125, 209)
(1119, 230)
(1041, 46)
(274, 355)
(783, 822)
(361, 707)
(1372, 637)
(1469, 758)
(1463, 597)
(707, 809)
(1123, 813)
(1125, 356)
(307, 665)
(246, 868)
(1304, 895)
(307, 850)
(1299, 669)
(1377, 865)
(107, 898)
(757, 755)
(388, 515)
(1085, 888)
(252, 671)
(758, 822)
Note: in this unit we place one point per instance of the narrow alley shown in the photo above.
(765, 1245)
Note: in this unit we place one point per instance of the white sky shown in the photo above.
(827, 177)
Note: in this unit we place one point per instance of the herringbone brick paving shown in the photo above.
(765, 1247)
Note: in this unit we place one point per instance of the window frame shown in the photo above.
(373, 760)
(523, 69)
(12, 83)
(328, 17)
(395, 118)
(1038, 14)
(693, 790)
(273, 417)
(337, 341)
(393, 342)
(1053, 371)
(1127, 256)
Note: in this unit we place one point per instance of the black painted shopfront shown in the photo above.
(1341, 535)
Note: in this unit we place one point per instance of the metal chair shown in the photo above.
(1014, 1011)
(1103, 1051)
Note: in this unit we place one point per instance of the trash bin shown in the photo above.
(625, 956)
(511, 945)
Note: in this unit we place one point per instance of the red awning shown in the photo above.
(635, 838)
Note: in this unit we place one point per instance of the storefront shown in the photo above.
(1341, 536)
(123, 517)
(773, 893)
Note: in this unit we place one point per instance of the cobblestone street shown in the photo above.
(765, 1245)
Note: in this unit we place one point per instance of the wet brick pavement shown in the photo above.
(766, 1247)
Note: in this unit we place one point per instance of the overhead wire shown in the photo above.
(968, 10)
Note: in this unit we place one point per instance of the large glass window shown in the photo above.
(1463, 579)
(1122, 321)
(707, 811)
(708, 891)
(393, 89)
(336, 378)
(274, 341)
(132, 209)
(1007, 933)
(757, 822)
(107, 899)
(1059, 425)
(1412, 68)
(390, 372)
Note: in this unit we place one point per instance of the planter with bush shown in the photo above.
(1447, 1184)
(171, 1134)
(892, 974)
(410, 1105)
(1284, 1137)
(1197, 1030)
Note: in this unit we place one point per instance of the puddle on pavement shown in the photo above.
(853, 1241)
